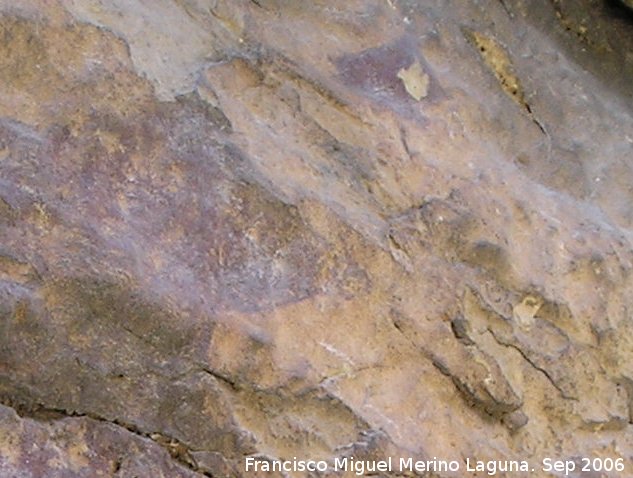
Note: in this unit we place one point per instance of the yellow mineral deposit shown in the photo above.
(525, 311)
(415, 80)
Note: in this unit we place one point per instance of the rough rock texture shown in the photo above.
(317, 229)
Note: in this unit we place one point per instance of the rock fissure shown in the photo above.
(222, 378)
(541, 370)
(176, 449)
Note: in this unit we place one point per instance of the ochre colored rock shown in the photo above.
(323, 230)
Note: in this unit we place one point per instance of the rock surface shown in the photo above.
(313, 229)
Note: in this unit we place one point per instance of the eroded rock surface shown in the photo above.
(313, 229)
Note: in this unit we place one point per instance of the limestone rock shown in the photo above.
(277, 229)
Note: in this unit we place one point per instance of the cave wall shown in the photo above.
(319, 229)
